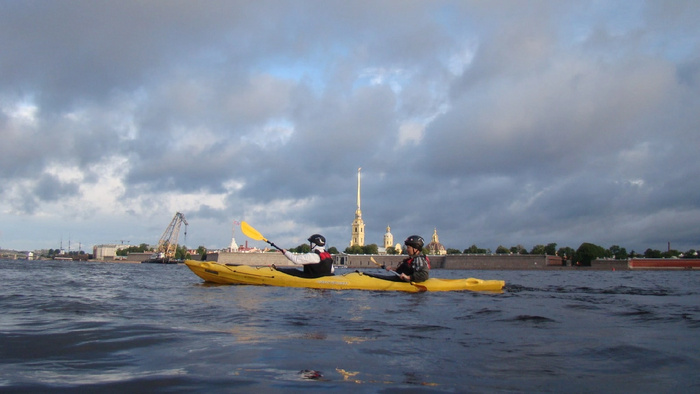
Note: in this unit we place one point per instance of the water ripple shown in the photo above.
(74, 327)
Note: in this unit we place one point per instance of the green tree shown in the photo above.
(133, 249)
(617, 252)
(391, 250)
(538, 249)
(355, 249)
(333, 250)
(690, 254)
(670, 253)
(652, 253)
(550, 249)
(588, 252)
(181, 253)
(474, 250)
(370, 249)
(502, 250)
(518, 249)
(303, 248)
(566, 252)
(453, 251)
(614, 250)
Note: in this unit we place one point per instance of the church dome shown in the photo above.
(435, 247)
(388, 238)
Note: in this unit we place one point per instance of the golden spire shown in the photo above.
(358, 213)
(358, 226)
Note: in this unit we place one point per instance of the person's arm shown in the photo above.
(420, 276)
(421, 269)
(303, 259)
(402, 269)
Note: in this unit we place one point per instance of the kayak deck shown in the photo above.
(248, 275)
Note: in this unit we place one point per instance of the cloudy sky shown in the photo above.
(496, 122)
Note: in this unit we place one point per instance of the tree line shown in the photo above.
(181, 251)
(583, 255)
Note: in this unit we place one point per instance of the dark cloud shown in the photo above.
(50, 188)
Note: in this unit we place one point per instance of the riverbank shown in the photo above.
(451, 262)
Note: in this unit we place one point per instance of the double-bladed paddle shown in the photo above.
(250, 232)
(381, 266)
(419, 287)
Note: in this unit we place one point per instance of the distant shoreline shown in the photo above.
(449, 262)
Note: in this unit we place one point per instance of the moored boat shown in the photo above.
(247, 275)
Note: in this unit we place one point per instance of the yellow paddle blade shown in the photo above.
(250, 232)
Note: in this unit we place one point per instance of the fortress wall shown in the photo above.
(510, 262)
(612, 265)
(363, 260)
(254, 259)
(664, 264)
(458, 261)
(455, 261)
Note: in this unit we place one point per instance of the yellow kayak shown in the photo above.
(247, 275)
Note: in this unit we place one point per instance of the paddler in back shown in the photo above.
(317, 262)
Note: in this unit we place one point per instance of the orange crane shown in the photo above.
(167, 245)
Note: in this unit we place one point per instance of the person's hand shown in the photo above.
(384, 266)
(405, 277)
(283, 251)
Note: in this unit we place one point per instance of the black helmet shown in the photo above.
(317, 239)
(415, 241)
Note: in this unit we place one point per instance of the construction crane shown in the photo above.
(167, 245)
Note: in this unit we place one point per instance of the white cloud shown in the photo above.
(22, 113)
(411, 133)
(460, 61)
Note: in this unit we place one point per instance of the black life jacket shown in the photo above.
(322, 268)
(406, 266)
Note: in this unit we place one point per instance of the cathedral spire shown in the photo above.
(358, 226)
(358, 213)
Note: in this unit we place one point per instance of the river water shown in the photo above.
(111, 327)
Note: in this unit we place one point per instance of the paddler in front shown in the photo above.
(414, 268)
(317, 263)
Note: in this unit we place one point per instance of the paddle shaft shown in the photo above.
(379, 265)
(419, 287)
(273, 245)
